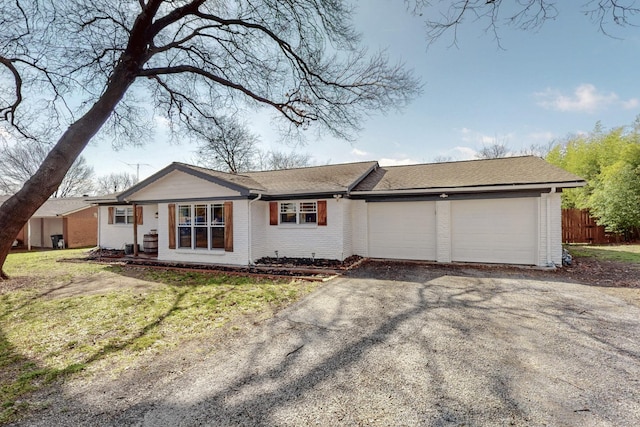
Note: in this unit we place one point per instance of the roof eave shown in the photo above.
(123, 197)
(478, 189)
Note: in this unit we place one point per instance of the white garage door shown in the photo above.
(402, 230)
(495, 231)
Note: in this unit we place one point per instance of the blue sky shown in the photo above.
(540, 86)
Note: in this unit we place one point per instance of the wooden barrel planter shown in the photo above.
(150, 243)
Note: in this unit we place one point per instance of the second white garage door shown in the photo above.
(402, 230)
(495, 230)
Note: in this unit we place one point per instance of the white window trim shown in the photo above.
(210, 223)
(127, 210)
(298, 211)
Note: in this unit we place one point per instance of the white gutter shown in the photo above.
(249, 222)
(549, 257)
(483, 188)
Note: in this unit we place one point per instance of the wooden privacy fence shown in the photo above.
(579, 227)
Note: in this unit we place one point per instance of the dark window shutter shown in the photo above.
(228, 226)
(172, 226)
(139, 214)
(273, 213)
(111, 214)
(322, 212)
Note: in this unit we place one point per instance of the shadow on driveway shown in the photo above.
(430, 347)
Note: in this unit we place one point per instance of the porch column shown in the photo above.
(135, 230)
(29, 234)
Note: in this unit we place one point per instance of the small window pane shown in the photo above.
(184, 240)
(184, 215)
(288, 213)
(120, 216)
(306, 218)
(217, 237)
(201, 237)
(308, 207)
(308, 213)
(217, 213)
(201, 215)
(288, 218)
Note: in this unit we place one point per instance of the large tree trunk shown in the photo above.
(16, 211)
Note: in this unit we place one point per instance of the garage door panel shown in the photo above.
(402, 230)
(494, 231)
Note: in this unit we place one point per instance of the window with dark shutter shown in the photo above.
(273, 213)
(228, 226)
(139, 214)
(172, 226)
(322, 212)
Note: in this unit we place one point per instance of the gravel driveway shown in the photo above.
(434, 347)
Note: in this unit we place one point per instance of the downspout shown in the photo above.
(29, 235)
(250, 260)
(549, 257)
(98, 217)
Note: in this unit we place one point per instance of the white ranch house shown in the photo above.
(483, 211)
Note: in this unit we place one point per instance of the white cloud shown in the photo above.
(541, 136)
(630, 103)
(397, 162)
(464, 153)
(359, 153)
(585, 98)
(456, 154)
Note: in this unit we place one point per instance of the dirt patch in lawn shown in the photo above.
(100, 284)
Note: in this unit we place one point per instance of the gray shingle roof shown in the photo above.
(317, 179)
(473, 173)
(369, 177)
(242, 180)
(57, 207)
(60, 207)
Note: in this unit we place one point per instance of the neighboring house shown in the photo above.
(490, 211)
(72, 218)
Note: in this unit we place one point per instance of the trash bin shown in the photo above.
(128, 249)
(57, 241)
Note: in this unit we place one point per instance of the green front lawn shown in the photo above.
(623, 253)
(56, 320)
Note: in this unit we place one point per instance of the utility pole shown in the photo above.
(137, 165)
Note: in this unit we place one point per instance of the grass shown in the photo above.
(622, 253)
(44, 338)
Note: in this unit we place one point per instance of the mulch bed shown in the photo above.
(595, 272)
(303, 268)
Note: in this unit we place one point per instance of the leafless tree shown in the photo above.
(493, 151)
(540, 150)
(20, 161)
(73, 68)
(443, 159)
(114, 182)
(275, 159)
(445, 16)
(229, 146)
